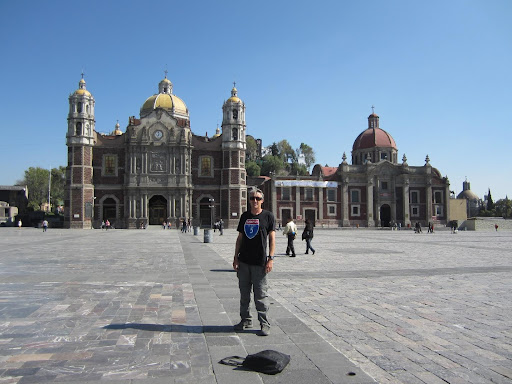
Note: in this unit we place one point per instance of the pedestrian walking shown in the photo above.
(251, 262)
(291, 231)
(19, 224)
(45, 225)
(307, 235)
(221, 227)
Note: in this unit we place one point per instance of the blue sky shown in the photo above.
(437, 72)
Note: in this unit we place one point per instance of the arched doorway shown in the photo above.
(109, 209)
(157, 210)
(385, 215)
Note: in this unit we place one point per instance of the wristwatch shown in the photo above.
(270, 257)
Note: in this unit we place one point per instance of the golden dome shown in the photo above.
(82, 92)
(164, 101)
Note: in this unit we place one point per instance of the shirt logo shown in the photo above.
(251, 227)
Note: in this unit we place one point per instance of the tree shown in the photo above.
(299, 169)
(504, 208)
(252, 168)
(308, 153)
(490, 203)
(251, 152)
(286, 152)
(271, 164)
(37, 179)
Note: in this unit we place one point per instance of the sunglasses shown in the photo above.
(256, 198)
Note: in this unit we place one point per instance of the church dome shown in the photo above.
(81, 88)
(164, 100)
(234, 96)
(374, 137)
(468, 195)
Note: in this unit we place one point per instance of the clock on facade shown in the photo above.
(158, 134)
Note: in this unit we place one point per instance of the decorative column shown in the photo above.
(345, 207)
(369, 204)
(407, 213)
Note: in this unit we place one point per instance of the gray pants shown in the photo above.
(253, 277)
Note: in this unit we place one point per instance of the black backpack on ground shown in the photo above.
(268, 361)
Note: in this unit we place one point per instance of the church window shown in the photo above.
(355, 196)
(235, 114)
(331, 194)
(356, 211)
(235, 134)
(384, 185)
(78, 130)
(331, 209)
(383, 156)
(87, 108)
(109, 165)
(205, 168)
(439, 210)
(415, 211)
(308, 194)
(438, 197)
(286, 193)
(415, 197)
(79, 107)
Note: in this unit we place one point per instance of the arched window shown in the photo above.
(87, 108)
(235, 134)
(78, 129)
(79, 107)
(235, 114)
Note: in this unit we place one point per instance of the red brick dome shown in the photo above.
(374, 137)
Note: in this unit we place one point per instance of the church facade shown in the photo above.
(156, 171)
(375, 190)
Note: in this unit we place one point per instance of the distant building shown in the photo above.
(13, 202)
(156, 171)
(374, 191)
(473, 201)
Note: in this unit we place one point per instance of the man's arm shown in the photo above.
(271, 249)
(236, 263)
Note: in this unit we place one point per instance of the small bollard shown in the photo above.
(208, 235)
(196, 231)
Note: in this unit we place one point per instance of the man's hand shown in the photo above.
(236, 263)
(269, 265)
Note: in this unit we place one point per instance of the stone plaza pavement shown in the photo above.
(157, 306)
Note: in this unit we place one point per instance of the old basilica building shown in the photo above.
(158, 170)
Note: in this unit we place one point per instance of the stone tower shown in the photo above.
(79, 195)
(233, 183)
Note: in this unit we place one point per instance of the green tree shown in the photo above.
(503, 208)
(299, 169)
(58, 186)
(286, 152)
(308, 153)
(252, 168)
(490, 203)
(251, 151)
(37, 179)
(272, 164)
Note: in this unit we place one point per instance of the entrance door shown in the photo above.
(310, 215)
(109, 210)
(157, 210)
(285, 215)
(385, 215)
(205, 213)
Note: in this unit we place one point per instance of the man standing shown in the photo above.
(290, 230)
(251, 261)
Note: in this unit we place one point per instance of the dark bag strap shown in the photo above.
(235, 361)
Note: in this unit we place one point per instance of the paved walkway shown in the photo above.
(155, 306)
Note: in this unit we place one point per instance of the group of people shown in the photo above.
(254, 258)
(105, 224)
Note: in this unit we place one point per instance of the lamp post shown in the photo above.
(211, 206)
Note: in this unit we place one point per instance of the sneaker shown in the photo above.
(244, 324)
(313, 252)
(265, 330)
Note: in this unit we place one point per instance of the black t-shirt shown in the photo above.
(255, 230)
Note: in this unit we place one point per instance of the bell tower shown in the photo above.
(79, 194)
(233, 184)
